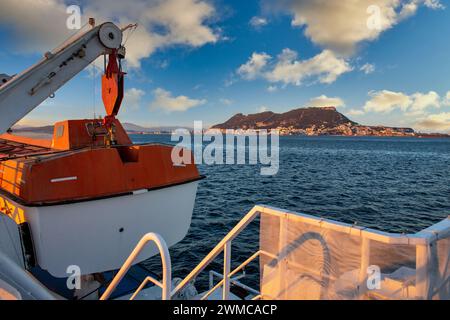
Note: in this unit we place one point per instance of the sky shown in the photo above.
(380, 62)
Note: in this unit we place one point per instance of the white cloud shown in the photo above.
(325, 67)
(342, 25)
(254, 66)
(434, 4)
(386, 101)
(423, 101)
(33, 23)
(368, 68)
(165, 101)
(447, 99)
(226, 102)
(38, 26)
(272, 89)
(440, 122)
(258, 22)
(355, 112)
(263, 109)
(324, 101)
(132, 98)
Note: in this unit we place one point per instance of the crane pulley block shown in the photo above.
(113, 85)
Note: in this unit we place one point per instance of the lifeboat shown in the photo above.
(82, 203)
(86, 197)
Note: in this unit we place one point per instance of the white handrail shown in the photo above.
(166, 266)
(249, 217)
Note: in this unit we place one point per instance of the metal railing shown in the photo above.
(223, 246)
(166, 283)
(422, 241)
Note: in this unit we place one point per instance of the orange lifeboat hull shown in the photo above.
(87, 204)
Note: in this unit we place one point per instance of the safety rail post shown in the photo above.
(226, 270)
(364, 265)
(166, 265)
(422, 272)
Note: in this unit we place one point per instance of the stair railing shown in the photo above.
(166, 283)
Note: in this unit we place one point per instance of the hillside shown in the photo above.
(309, 121)
(298, 119)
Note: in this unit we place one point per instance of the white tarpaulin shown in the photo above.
(308, 258)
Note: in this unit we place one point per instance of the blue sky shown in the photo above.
(192, 59)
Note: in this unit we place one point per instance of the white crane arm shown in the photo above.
(25, 91)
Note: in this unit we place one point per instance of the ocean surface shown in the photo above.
(390, 184)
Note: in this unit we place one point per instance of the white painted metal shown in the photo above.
(99, 235)
(27, 90)
(421, 240)
(365, 262)
(7, 292)
(226, 270)
(166, 266)
(10, 244)
(22, 281)
(4, 78)
(234, 280)
(218, 249)
(422, 272)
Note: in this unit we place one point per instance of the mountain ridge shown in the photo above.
(309, 121)
(300, 118)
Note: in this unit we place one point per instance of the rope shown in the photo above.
(130, 32)
(94, 95)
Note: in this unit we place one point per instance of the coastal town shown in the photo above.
(321, 121)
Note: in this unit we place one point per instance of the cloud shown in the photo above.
(226, 102)
(325, 67)
(272, 89)
(367, 68)
(342, 25)
(38, 26)
(132, 98)
(324, 101)
(423, 101)
(258, 22)
(355, 112)
(263, 109)
(434, 4)
(386, 101)
(439, 122)
(32, 24)
(447, 99)
(254, 66)
(165, 101)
